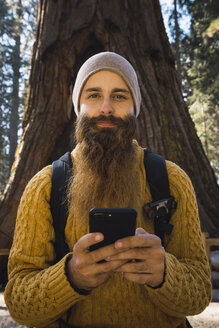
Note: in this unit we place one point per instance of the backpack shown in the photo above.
(159, 209)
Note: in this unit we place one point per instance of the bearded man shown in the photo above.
(159, 289)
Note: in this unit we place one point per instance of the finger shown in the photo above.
(131, 254)
(97, 269)
(106, 267)
(104, 252)
(86, 241)
(140, 278)
(140, 231)
(135, 267)
(141, 240)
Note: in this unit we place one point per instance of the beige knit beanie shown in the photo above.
(107, 61)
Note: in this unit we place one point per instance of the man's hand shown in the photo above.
(145, 257)
(83, 269)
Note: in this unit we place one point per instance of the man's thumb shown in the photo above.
(140, 231)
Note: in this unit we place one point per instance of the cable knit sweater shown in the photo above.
(38, 292)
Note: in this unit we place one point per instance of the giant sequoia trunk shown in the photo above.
(16, 65)
(68, 33)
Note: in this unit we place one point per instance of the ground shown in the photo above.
(207, 319)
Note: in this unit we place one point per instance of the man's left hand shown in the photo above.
(146, 258)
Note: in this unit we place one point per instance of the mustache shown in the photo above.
(112, 119)
(87, 130)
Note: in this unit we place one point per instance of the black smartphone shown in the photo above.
(114, 223)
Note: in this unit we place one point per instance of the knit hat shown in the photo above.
(107, 61)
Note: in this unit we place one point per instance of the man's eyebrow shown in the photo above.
(93, 89)
(120, 90)
(100, 89)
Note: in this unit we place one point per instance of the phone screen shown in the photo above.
(114, 223)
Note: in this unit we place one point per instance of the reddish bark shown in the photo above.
(68, 33)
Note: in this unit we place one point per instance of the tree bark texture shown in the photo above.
(68, 33)
(177, 35)
(16, 65)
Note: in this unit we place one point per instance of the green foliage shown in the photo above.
(203, 76)
(17, 31)
(213, 28)
(198, 53)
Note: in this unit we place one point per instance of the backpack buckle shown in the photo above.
(161, 208)
(160, 212)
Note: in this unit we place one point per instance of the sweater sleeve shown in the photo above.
(187, 286)
(38, 292)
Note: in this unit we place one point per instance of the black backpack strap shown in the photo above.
(162, 203)
(188, 324)
(157, 177)
(61, 173)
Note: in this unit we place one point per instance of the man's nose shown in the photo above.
(106, 107)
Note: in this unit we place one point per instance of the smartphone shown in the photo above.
(114, 223)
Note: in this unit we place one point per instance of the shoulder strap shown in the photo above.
(156, 173)
(61, 172)
(162, 203)
(157, 177)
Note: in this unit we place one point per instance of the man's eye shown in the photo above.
(119, 97)
(93, 96)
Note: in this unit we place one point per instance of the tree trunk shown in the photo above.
(204, 129)
(177, 34)
(16, 64)
(68, 33)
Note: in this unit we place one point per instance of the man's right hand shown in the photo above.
(83, 269)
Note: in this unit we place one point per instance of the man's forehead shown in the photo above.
(100, 89)
(103, 78)
(103, 74)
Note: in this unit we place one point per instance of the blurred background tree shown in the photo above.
(17, 32)
(193, 29)
(68, 32)
(203, 75)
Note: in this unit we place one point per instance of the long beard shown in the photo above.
(105, 175)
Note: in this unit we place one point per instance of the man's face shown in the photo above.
(104, 133)
(106, 93)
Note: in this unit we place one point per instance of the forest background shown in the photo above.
(66, 34)
(193, 29)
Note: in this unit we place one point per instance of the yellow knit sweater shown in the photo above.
(38, 293)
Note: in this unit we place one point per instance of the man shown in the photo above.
(158, 290)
